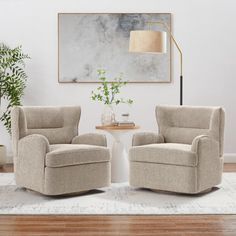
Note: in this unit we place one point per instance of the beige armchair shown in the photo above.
(187, 154)
(50, 157)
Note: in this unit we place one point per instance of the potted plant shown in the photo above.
(12, 83)
(107, 93)
(2, 154)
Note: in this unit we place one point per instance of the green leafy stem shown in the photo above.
(107, 92)
(12, 80)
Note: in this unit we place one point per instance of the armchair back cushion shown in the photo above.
(57, 124)
(182, 124)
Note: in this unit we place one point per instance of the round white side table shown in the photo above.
(119, 161)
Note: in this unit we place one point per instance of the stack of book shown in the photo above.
(124, 123)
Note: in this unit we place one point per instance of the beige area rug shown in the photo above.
(118, 199)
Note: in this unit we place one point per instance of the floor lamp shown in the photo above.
(149, 41)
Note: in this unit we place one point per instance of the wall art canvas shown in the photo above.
(92, 41)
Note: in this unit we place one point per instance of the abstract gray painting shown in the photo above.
(88, 42)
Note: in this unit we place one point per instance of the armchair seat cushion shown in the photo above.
(164, 153)
(61, 155)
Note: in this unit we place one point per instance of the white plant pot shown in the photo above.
(2, 154)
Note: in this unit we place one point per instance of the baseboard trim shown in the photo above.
(230, 158)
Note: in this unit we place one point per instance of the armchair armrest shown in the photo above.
(143, 138)
(30, 162)
(209, 163)
(34, 144)
(91, 139)
(205, 143)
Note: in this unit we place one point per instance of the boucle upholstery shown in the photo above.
(75, 154)
(183, 124)
(186, 155)
(91, 138)
(164, 153)
(49, 155)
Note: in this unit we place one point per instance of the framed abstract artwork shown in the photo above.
(91, 41)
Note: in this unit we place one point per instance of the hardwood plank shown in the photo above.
(118, 225)
(6, 168)
(230, 167)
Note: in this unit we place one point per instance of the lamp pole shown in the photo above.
(180, 53)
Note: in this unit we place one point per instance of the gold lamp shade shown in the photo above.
(147, 41)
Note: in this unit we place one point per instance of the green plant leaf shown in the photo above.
(12, 79)
(107, 92)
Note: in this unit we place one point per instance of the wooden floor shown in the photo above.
(211, 225)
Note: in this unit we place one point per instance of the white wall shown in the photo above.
(204, 29)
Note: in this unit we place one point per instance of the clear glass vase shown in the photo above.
(108, 115)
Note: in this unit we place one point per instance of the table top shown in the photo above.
(114, 127)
